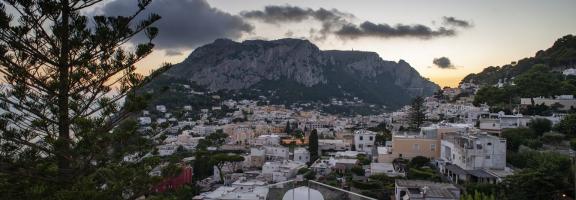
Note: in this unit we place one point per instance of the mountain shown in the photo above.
(294, 70)
(560, 56)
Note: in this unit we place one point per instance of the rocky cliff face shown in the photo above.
(230, 65)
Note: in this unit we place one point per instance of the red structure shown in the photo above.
(185, 177)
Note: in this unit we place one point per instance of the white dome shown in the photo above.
(301, 193)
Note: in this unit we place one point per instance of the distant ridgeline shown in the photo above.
(288, 71)
(548, 74)
(561, 56)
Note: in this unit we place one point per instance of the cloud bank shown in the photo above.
(341, 24)
(185, 24)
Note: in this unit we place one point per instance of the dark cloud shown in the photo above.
(185, 24)
(330, 19)
(369, 29)
(280, 14)
(443, 63)
(340, 24)
(452, 21)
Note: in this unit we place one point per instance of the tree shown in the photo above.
(287, 129)
(63, 79)
(217, 139)
(516, 137)
(417, 113)
(221, 159)
(313, 145)
(358, 170)
(543, 175)
(552, 138)
(567, 125)
(419, 161)
(540, 125)
(477, 196)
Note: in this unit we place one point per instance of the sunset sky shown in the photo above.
(462, 36)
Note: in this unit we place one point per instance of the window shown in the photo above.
(489, 143)
(478, 146)
(416, 147)
(361, 138)
(432, 147)
(371, 138)
(487, 157)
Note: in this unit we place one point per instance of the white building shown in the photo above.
(301, 155)
(384, 168)
(239, 190)
(471, 156)
(364, 141)
(333, 145)
(425, 190)
(564, 102)
(267, 140)
(278, 152)
(161, 108)
(496, 122)
(143, 121)
(280, 170)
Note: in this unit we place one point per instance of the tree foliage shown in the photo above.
(64, 73)
(542, 175)
(417, 113)
(313, 145)
(221, 159)
(540, 125)
(567, 125)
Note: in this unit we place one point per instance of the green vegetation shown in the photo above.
(542, 175)
(561, 54)
(567, 126)
(417, 113)
(221, 159)
(477, 196)
(313, 145)
(540, 125)
(532, 77)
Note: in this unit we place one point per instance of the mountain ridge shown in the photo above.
(236, 66)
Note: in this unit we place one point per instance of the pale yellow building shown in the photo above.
(424, 143)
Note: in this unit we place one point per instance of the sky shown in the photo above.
(444, 40)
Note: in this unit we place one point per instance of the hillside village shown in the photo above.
(244, 149)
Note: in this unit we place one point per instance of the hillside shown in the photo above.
(560, 56)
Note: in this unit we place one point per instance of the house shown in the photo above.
(277, 153)
(364, 141)
(424, 143)
(322, 167)
(267, 140)
(301, 155)
(384, 155)
(342, 164)
(494, 123)
(333, 145)
(384, 168)
(143, 121)
(425, 190)
(256, 158)
(239, 190)
(161, 108)
(562, 102)
(278, 171)
(469, 157)
(174, 183)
